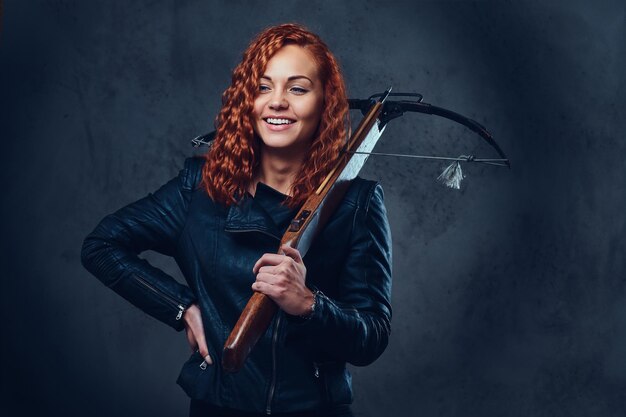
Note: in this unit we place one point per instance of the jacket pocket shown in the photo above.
(336, 382)
(199, 380)
(320, 377)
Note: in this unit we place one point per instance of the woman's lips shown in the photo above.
(278, 128)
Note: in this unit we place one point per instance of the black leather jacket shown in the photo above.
(298, 364)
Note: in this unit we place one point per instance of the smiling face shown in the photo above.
(288, 105)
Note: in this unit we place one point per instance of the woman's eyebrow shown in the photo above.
(293, 77)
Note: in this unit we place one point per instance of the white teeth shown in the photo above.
(278, 121)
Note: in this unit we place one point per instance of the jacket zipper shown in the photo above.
(181, 308)
(270, 395)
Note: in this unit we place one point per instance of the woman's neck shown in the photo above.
(278, 171)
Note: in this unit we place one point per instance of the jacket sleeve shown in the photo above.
(354, 327)
(154, 222)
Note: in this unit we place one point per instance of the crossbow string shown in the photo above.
(452, 175)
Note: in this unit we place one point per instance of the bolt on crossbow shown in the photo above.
(452, 175)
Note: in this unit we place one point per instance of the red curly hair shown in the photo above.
(234, 155)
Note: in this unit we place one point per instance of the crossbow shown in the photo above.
(320, 205)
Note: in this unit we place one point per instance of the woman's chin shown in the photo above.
(278, 143)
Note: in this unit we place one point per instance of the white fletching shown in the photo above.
(452, 176)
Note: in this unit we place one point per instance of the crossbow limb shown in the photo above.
(412, 102)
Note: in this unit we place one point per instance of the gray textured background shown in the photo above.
(509, 296)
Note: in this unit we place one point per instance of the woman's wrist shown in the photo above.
(309, 305)
(190, 310)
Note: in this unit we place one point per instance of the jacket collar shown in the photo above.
(259, 213)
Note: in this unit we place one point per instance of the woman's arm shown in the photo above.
(354, 326)
(154, 222)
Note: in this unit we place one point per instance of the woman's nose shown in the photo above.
(278, 101)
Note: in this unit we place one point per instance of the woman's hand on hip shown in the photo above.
(282, 278)
(195, 332)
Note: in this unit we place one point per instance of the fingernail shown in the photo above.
(208, 360)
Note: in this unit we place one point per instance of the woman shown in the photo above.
(282, 124)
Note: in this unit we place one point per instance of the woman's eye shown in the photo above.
(298, 90)
(263, 88)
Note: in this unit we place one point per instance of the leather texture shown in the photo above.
(298, 364)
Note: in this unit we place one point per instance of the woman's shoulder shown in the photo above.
(191, 174)
(362, 192)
